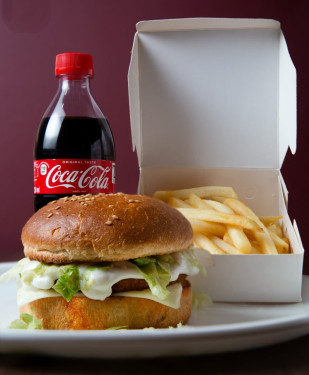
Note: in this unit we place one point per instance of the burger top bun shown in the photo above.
(104, 227)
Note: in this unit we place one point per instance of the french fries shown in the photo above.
(239, 239)
(264, 239)
(222, 224)
(200, 226)
(204, 242)
(202, 192)
(177, 203)
(237, 236)
(220, 217)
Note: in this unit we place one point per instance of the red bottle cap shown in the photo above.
(74, 63)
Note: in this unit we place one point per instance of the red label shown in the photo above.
(74, 176)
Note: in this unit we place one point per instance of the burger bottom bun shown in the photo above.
(82, 313)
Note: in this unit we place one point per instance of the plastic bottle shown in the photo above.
(74, 151)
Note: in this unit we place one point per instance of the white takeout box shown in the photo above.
(213, 102)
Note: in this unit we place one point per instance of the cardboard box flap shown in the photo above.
(212, 93)
(287, 106)
(300, 243)
(134, 99)
(204, 23)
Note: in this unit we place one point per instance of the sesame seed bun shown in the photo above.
(104, 227)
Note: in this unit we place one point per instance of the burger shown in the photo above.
(104, 261)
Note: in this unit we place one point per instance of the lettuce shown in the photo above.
(156, 277)
(67, 280)
(143, 261)
(200, 301)
(190, 257)
(27, 321)
(157, 270)
(14, 271)
(166, 261)
(68, 283)
(116, 328)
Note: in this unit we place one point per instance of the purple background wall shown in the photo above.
(32, 32)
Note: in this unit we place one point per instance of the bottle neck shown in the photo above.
(73, 98)
(74, 83)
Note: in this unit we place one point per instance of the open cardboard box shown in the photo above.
(213, 102)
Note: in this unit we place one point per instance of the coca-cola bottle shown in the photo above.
(74, 151)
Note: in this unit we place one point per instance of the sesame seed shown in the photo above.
(110, 205)
(115, 217)
(131, 200)
(137, 201)
(49, 215)
(58, 207)
(109, 222)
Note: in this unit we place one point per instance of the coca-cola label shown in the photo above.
(74, 176)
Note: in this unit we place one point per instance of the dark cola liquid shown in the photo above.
(72, 138)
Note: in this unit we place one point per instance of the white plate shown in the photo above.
(219, 328)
